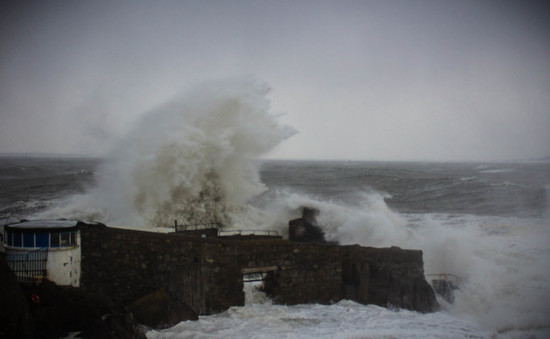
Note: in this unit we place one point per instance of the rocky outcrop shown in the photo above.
(445, 288)
(114, 326)
(158, 310)
(389, 277)
(16, 320)
(51, 311)
(58, 310)
(305, 229)
(64, 309)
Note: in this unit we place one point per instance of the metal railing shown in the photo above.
(197, 227)
(226, 233)
(28, 266)
(248, 232)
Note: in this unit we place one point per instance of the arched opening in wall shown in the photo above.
(254, 284)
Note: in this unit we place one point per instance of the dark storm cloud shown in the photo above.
(395, 80)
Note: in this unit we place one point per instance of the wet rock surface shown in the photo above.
(159, 310)
(51, 311)
(305, 229)
(15, 318)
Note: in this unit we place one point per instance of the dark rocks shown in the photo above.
(114, 326)
(305, 229)
(64, 309)
(158, 310)
(51, 311)
(445, 288)
(15, 318)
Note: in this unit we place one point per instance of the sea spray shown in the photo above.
(193, 160)
(501, 262)
(363, 219)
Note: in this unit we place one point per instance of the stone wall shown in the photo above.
(307, 273)
(125, 265)
(206, 274)
(389, 277)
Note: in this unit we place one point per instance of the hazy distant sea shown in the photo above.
(488, 223)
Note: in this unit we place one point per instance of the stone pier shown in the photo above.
(207, 273)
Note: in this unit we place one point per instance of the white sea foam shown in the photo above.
(344, 319)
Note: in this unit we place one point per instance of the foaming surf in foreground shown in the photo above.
(344, 319)
(193, 160)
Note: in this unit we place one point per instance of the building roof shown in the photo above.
(44, 224)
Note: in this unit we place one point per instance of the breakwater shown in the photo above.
(207, 273)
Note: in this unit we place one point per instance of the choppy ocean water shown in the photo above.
(488, 224)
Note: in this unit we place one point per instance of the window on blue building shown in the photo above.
(17, 239)
(65, 239)
(28, 239)
(42, 239)
(54, 240)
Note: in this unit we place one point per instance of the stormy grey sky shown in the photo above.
(363, 80)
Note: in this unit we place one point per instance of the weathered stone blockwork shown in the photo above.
(206, 274)
(389, 277)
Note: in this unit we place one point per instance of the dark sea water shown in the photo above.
(485, 222)
(498, 189)
(521, 189)
(31, 184)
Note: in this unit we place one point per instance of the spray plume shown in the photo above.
(193, 160)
